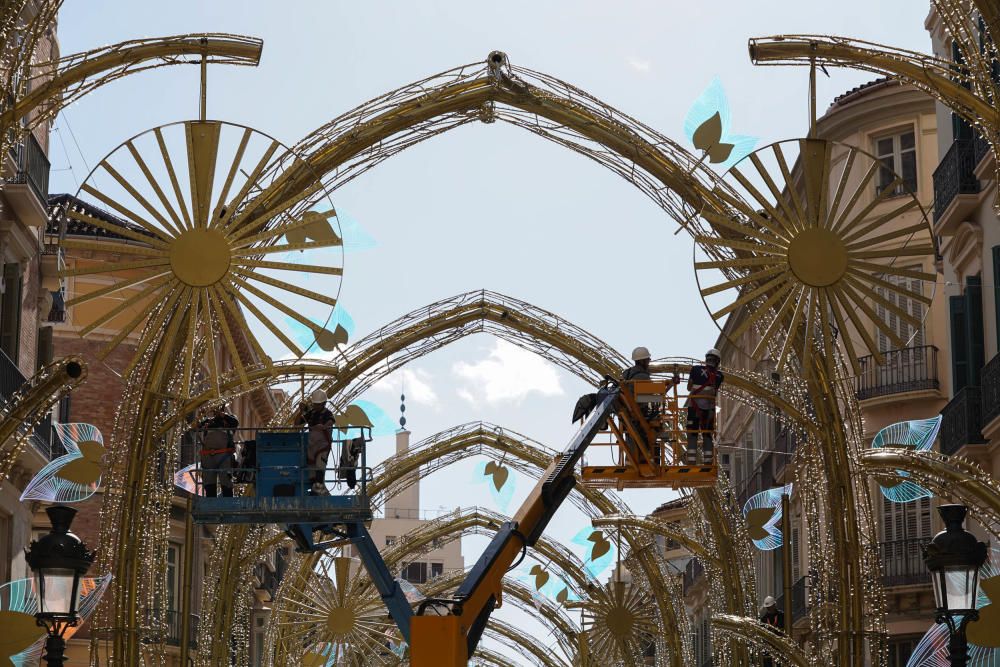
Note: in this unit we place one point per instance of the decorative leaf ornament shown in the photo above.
(499, 480)
(918, 435)
(762, 512)
(598, 551)
(353, 416)
(499, 472)
(707, 126)
(540, 575)
(75, 476)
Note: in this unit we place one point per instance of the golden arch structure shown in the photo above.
(690, 193)
(431, 327)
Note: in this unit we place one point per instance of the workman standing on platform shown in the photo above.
(217, 451)
(320, 421)
(703, 388)
(774, 620)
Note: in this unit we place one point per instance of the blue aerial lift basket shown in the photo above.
(282, 490)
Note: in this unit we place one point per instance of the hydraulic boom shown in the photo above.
(451, 639)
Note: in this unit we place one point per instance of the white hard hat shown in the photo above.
(640, 353)
(713, 353)
(769, 601)
(317, 397)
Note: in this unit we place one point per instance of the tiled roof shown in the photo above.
(78, 227)
(858, 91)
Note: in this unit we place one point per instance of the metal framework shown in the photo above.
(706, 206)
(969, 84)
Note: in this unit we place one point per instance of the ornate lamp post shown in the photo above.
(954, 557)
(58, 560)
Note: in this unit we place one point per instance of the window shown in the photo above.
(900, 651)
(415, 573)
(898, 155)
(6, 537)
(911, 306)
(172, 583)
(967, 344)
(437, 569)
(10, 311)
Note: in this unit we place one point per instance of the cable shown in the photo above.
(72, 135)
(524, 549)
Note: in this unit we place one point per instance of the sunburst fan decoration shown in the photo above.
(832, 247)
(200, 234)
(619, 619)
(338, 616)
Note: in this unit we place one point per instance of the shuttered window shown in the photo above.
(10, 311)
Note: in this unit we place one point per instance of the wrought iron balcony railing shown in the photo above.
(903, 562)
(990, 388)
(800, 599)
(903, 370)
(11, 381)
(32, 166)
(962, 421)
(692, 573)
(955, 176)
(980, 147)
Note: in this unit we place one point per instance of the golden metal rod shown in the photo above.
(786, 560)
(812, 98)
(188, 566)
(203, 112)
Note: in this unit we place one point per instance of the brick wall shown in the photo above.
(94, 402)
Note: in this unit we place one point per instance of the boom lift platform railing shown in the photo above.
(647, 434)
(279, 489)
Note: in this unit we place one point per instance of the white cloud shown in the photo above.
(639, 64)
(414, 382)
(507, 374)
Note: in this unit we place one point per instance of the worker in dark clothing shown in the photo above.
(320, 421)
(217, 450)
(640, 369)
(703, 388)
(774, 620)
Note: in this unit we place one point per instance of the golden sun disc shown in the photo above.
(200, 257)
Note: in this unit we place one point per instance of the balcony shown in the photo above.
(904, 370)
(990, 379)
(28, 190)
(11, 381)
(962, 421)
(955, 186)
(174, 629)
(980, 148)
(800, 600)
(903, 562)
(692, 573)
(268, 582)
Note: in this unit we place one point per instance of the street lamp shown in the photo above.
(954, 557)
(58, 560)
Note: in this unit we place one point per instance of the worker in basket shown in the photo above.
(217, 450)
(703, 385)
(318, 418)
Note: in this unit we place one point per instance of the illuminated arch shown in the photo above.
(432, 327)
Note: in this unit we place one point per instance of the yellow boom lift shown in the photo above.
(642, 419)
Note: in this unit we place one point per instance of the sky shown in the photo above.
(486, 206)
